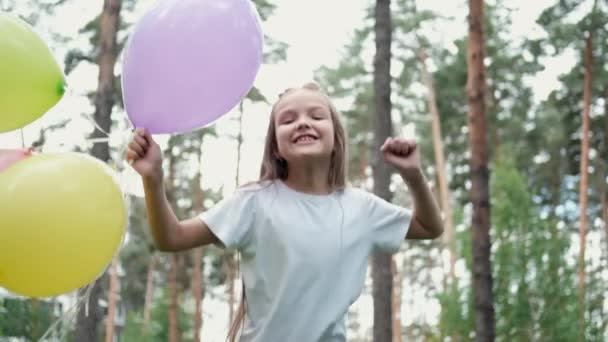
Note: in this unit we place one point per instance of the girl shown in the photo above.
(303, 235)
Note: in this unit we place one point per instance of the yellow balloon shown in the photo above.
(31, 81)
(63, 216)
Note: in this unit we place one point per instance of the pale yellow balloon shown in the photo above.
(62, 218)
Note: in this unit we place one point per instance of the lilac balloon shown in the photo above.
(188, 62)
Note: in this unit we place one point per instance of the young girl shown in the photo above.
(303, 235)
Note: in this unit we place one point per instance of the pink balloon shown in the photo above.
(188, 62)
(10, 157)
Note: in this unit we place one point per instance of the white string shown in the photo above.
(69, 316)
(22, 138)
(62, 325)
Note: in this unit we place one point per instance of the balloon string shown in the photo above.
(22, 138)
(64, 322)
(83, 299)
(98, 140)
(92, 120)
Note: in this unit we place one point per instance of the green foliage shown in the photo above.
(352, 80)
(135, 255)
(135, 329)
(508, 98)
(563, 33)
(456, 319)
(157, 330)
(159, 315)
(25, 318)
(265, 8)
(535, 290)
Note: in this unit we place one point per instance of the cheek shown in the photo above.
(282, 136)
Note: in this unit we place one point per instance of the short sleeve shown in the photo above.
(388, 222)
(232, 219)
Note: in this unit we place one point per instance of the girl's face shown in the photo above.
(304, 126)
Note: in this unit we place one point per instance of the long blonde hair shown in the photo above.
(273, 168)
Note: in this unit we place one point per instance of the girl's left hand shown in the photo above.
(401, 153)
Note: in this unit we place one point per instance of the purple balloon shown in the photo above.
(188, 62)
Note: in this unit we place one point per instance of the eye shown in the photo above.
(318, 116)
(286, 118)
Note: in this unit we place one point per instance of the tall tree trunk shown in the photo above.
(230, 258)
(153, 260)
(397, 293)
(604, 163)
(604, 205)
(363, 163)
(480, 194)
(87, 322)
(197, 261)
(197, 291)
(444, 191)
(173, 312)
(174, 258)
(239, 143)
(584, 170)
(381, 262)
(113, 295)
(230, 267)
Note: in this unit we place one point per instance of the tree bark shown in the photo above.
(397, 293)
(173, 311)
(584, 170)
(230, 258)
(197, 264)
(444, 191)
(113, 297)
(197, 291)
(603, 185)
(87, 322)
(381, 262)
(149, 287)
(480, 197)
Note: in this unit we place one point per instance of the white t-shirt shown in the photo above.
(303, 257)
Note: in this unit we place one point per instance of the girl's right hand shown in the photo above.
(144, 155)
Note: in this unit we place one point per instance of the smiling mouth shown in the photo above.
(305, 139)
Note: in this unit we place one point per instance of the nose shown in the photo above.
(303, 123)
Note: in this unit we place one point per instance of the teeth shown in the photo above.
(305, 138)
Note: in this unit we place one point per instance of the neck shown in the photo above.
(309, 178)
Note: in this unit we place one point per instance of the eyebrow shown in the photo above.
(316, 107)
(289, 111)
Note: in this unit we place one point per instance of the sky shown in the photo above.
(316, 31)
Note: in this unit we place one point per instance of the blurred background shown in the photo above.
(539, 161)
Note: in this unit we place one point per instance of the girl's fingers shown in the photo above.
(141, 140)
(386, 144)
(137, 148)
(148, 137)
(399, 146)
(132, 155)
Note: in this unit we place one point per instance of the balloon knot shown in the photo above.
(61, 87)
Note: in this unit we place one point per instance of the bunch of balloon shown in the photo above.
(186, 64)
(62, 215)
